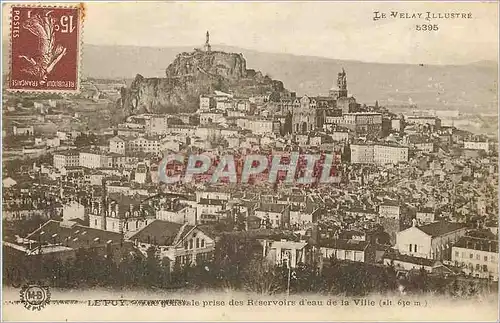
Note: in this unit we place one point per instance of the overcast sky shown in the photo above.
(335, 29)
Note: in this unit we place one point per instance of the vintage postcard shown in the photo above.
(250, 161)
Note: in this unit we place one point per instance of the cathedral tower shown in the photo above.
(342, 84)
(340, 89)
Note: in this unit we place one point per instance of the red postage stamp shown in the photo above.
(45, 49)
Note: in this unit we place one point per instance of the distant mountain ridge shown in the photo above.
(467, 88)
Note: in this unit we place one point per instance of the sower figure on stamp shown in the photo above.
(48, 54)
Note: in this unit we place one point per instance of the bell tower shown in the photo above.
(207, 46)
(339, 90)
(342, 84)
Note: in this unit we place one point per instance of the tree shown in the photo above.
(84, 140)
(353, 279)
(306, 278)
(16, 267)
(233, 253)
(418, 282)
(240, 221)
(166, 277)
(107, 273)
(472, 290)
(177, 275)
(219, 86)
(391, 276)
(263, 278)
(152, 274)
(54, 271)
(287, 127)
(454, 288)
(83, 266)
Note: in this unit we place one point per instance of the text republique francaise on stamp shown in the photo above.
(45, 45)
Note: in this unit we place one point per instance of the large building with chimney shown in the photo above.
(121, 213)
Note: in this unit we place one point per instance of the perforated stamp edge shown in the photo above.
(81, 14)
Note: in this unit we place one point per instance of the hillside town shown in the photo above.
(412, 194)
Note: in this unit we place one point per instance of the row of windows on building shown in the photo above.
(145, 144)
(471, 256)
(189, 244)
(200, 258)
(275, 222)
(390, 154)
(25, 216)
(138, 223)
(470, 266)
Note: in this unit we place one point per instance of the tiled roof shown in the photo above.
(69, 152)
(74, 236)
(478, 244)
(160, 232)
(390, 203)
(361, 210)
(211, 202)
(426, 210)
(125, 200)
(288, 244)
(344, 244)
(439, 228)
(271, 207)
(410, 259)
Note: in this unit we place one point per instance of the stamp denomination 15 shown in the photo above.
(45, 48)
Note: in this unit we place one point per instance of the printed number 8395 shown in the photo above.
(427, 27)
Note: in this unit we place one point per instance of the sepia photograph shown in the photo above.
(272, 161)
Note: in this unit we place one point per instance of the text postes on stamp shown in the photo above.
(45, 45)
(34, 296)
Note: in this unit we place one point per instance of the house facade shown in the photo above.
(343, 249)
(287, 253)
(174, 243)
(477, 257)
(432, 241)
